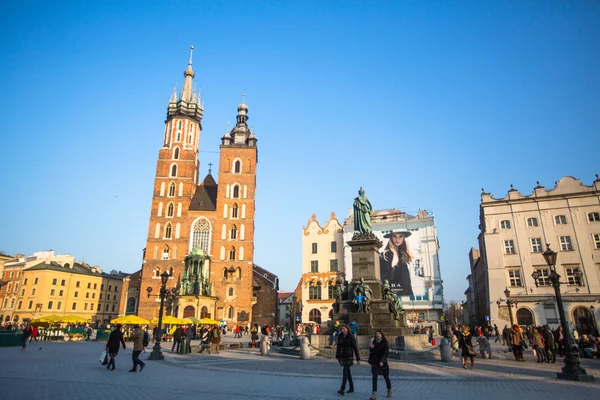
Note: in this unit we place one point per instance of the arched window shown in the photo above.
(172, 189)
(159, 213)
(170, 210)
(130, 306)
(237, 167)
(225, 273)
(201, 235)
(233, 234)
(241, 253)
(189, 311)
(524, 317)
(162, 189)
(176, 153)
(583, 319)
(232, 253)
(155, 254)
(242, 232)
(236, 192)
(191, 133)
(157, 272)
(168, 232)
(222, 253)
(204, 312)
(239, 273)
(230, 291)
(234, 211)
(230, 312)
(165, 253)
(157, 231)
(315, 316)
(179, 131)
(174, 171)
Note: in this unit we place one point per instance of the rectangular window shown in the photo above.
(107, 307)
(12, 303)
(60, 293)
(100, 296)
(565, 243)
(77, 284)
(544, 276)
(509, 247)
(99, 307)
(89, 285)
(16, 289)
(30, 305)
(22, 292)
(330, 291)
(52, 292)
(505, 224)
(63, 282)
(49, 305)
(33, 292)
(76, 294)
(18, 274)
(35, 281)
(532, 222)
(314, 266)
(596, 240)
(536, 245)
(333, 265)
(20, 304)
(570, 272)
(25, 282)
(84, 306)
(58, 305)
(560, 220)
(109, 288)
(74, 307)
(54, 281)
(593, 217)
(314, 248)
(95, 286)
(514, 277)
(87, 295)
(12, 274)
(113, 307)
(9, 287)
(334, 247)
(93, 295)
(102, 287)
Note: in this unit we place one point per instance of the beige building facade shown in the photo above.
(514, 233)
(46, 284)
(322, 268)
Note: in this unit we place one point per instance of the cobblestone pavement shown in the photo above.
(59, 370)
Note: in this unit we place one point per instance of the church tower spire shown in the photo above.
(189, 104)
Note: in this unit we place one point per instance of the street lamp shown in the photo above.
(572, 370)
(156, 350)
(509, 304)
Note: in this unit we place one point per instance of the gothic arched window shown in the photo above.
(174, 171)
(233, 232)
(232, 253)
(168, 231)
(236, 192)
(234, 211)
(237, 167)
(176, 154)
(201, 234)
(170, 210)
(172, 189)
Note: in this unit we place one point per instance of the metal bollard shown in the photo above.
(304, 349)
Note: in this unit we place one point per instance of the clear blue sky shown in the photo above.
(421, 103)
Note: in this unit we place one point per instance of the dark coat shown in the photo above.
(549, 338)
(115, 339)
(465, 345)
(346, 345)
(395, 274)
(379, 353)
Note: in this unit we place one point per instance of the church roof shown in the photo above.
(205, 198)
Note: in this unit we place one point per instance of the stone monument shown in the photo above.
(383, 312)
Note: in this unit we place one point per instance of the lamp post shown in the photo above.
(156, 350)
(572, 369)
(509, 304)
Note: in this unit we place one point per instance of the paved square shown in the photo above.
(71, 370)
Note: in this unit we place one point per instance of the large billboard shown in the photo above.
(400, 260)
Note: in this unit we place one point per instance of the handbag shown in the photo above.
(471, 351)
(104, 357)
(525, 345)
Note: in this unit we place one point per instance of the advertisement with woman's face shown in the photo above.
(399, 259)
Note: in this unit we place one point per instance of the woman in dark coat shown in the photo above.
(378, 355)
(346, 350)
(394, 263)
(115, 339)
(466, 347)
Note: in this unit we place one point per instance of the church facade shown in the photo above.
(201, 232)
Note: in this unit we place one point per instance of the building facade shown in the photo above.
(322, 268)
(426, 304)
(285, 314)
(201, 232)
(514, 231)
(265, 286)
(45, 284)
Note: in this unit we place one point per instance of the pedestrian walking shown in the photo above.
(177, 335)
(138, 345)
(34, 334)
(497, 332)
(215, 340)
(115, 339)
(89, 332)
(550, 350)
(517, 342)
(539, 345)
(345, 352)
(378, 358)
(466, 347)
(25, 336)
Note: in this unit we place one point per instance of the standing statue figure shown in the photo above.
(365, 290)
(362, 213)
(394, 301)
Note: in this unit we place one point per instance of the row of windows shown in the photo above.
(59, 306)
(200, 238)
(332, 247)
(171, 191)
(566, 244)
(234, 234)
(11, 274)
(170, 211)
(515, 279)
(314, 291)
(234, 191)
(333, 265)
(191, 127)
(233, 212)
(558, 220)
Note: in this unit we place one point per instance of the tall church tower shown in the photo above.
(174, 187)
(233, 237)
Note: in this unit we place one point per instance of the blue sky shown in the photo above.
(421, 103)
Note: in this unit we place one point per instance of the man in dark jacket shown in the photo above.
(549, 341)
(177, 335)
(115, 339)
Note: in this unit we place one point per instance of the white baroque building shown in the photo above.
(514, 233)
(322, 268)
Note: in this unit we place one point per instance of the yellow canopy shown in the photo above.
(208, 321)
(130, 320)
(191, 320)
(73, 319)
(169, 320)
(48, 318)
